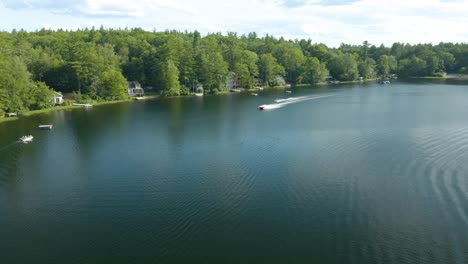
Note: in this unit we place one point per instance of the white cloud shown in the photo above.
(330, 22)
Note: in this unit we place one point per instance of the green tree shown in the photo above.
(40, 96)
(15, 82)
(111, 85)
(213, 69)
(171, 79)
(412, 67)
(269, 69)
(344, 67)
(290, 56)
(367, 68)
(313, 71)
(247, 69)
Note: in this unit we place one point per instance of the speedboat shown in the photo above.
(288, 92)
(261, 107)
(26, 139)
(255, 94)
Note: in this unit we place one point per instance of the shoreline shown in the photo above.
(68, 107)
(452, 76)
(152, 97)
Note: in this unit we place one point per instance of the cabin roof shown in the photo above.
(134, 84)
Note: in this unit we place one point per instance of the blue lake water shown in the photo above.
(362, 173)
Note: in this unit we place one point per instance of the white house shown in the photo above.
(134, 89)
(58, 98)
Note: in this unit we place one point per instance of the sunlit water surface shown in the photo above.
(345, 174)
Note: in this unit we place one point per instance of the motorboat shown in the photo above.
(26, 139)
(199, 94)
(288, 92)
(261, 107)
(255, 94)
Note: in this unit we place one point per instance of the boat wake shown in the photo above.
(283, 102)
(290, 99)
(4, 147)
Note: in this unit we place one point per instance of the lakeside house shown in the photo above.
(198, 88)
(134, 89)
(58, 98)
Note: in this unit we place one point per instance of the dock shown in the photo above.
(49, 127)
(85, 105)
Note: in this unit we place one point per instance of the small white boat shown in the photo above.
(140, 98)
(260, 88)
(26, 139)
(255, 94)
(45, 127)
(199, 94)
(288, 92)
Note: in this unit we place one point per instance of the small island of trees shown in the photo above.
(96, 64)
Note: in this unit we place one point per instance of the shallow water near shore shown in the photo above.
(358, 173)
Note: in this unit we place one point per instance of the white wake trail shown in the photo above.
(283, 102)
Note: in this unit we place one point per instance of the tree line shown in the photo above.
(96, 63)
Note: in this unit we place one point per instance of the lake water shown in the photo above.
(349, 174)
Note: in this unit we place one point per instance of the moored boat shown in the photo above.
(26, 139)
(45, 127)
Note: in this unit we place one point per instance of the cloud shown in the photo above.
(328, 21)
(91, 8)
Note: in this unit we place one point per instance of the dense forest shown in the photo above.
(95, 64)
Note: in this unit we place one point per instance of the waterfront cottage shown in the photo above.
(134, 89)
(58, 98)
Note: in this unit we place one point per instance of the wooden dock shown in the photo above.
(45, 127)
(85, 105)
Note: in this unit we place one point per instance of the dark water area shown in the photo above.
(362, 173)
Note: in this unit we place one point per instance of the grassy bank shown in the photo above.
(457, 76)
(68, 107)
(6, 119)
(36, 112)
(445, 77)
(430, 78)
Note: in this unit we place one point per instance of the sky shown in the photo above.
(323, 21)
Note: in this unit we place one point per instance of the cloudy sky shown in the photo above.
(327, 21)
